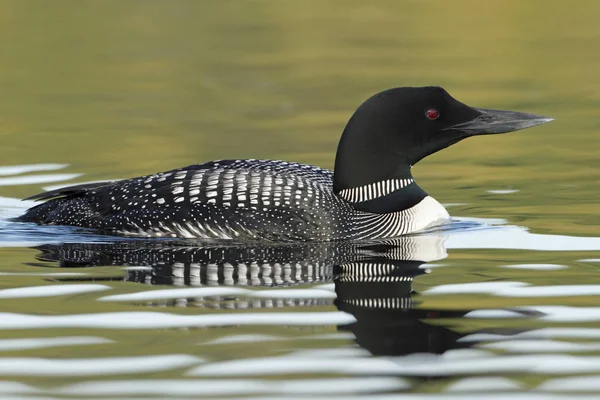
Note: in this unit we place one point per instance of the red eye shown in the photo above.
(432, 113)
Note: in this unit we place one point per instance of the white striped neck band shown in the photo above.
(374, 190)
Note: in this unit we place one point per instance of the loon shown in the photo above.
(370, 194)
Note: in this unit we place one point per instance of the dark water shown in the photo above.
(505, 301)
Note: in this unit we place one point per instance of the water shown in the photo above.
(504, 301)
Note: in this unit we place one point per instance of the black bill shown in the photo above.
(499, 121)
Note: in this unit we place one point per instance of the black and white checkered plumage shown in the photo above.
(232, 199)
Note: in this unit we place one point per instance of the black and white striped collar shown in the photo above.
(374, 190)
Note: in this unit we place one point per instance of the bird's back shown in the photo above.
(231, 199)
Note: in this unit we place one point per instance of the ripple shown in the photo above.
(40, 343)
(572, 384)
(475, 287)
(36, 179)
(20, 234)
(290, 364)
(16, 387)
(484, 384)
(344, 396)
(541, 346)
(231, 387)
(541, 267)
(21, 169)
(549, 333)
(502, 191)
(50, 290)
(154, 320)
(94, 366)
(491, 313)
(545, 313)
(515, 289)
(333, 353)
(272, 338)
(11, 207)
(411, 365)
(519, 239)
(566, 313)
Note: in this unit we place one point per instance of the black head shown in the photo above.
(394, 129)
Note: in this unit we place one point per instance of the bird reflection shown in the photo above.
(379, 295)
(373, 281)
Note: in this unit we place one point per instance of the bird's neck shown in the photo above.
(372, 166)
(397, 193)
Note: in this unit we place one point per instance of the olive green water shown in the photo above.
(117, 89)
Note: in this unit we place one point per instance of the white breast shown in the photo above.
(427, 213)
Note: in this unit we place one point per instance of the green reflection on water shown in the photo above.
(123, 88)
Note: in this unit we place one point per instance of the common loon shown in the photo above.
(371, 193)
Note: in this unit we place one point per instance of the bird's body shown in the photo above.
(371, 194)
(234, 199)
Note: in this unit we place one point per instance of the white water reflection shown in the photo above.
(36, 179)
(25, 366)
(449, 364)
(572, 384)
(543, 333)
(272, 338)
(502, 191)
(545, 313)
(233, 387)
(41, 343)
(484, 384)
(566, 313)
(10, 207)
(22, 169)
(155, 320)
(291, 364)
(536, 267)
(516, 238)
(541, 346)
(492, 314)
(475, 287)
(332, 388)
(515, 289)
(50, 290)
(16, 387)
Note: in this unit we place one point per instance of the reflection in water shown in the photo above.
(386, 321)
(370, 284)
(178, 263)
(373, 282)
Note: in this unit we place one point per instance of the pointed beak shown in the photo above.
(499, 121)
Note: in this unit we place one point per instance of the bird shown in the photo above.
(370, 195)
